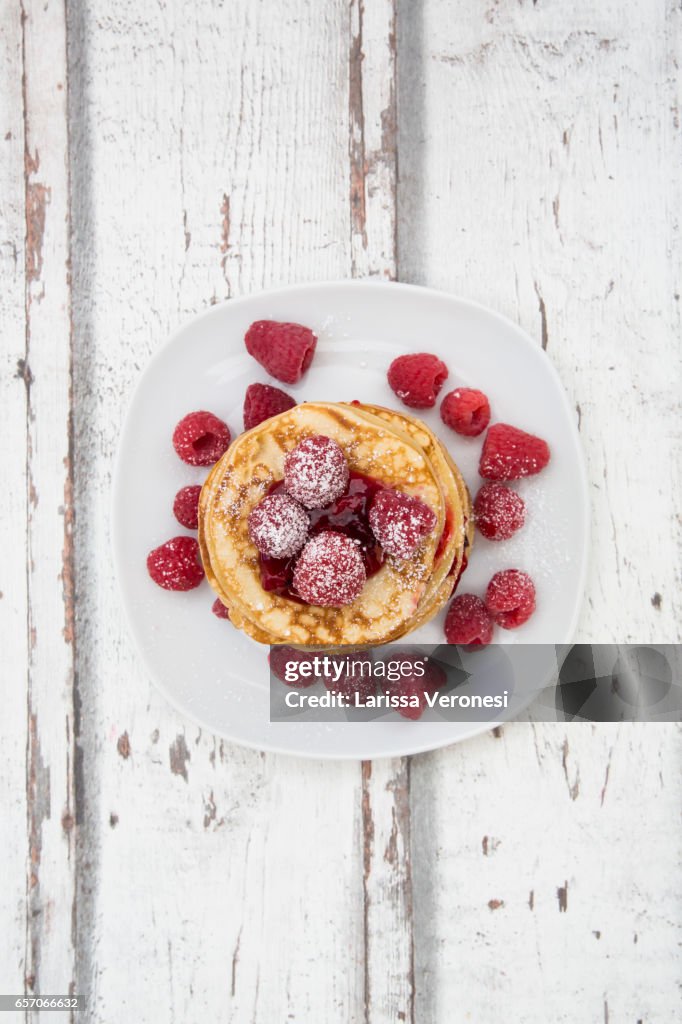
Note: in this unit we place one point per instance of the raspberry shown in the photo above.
(499, 511)
(219, 609)
(175, 565)
(186, 507)
(330, 571)
(262, 401)
(417, 379)
(316, 471)
(200, 438)
(278, 526)
(509, 453)
(400, 522)
(285, 350)
(510, 598)
(466, 410)
(356, 677)
(413, 683)
(280, 656)
(468, 622)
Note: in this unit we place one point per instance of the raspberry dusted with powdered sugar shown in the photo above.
(499, 511)
(509, 453)
(284, 662)
(356, 675)
(316, 471)
(418, 677)
(400, 522)
(186, 506)
(278, 526)
(417, 379)
(510, 598)
(175, 565)
(468, 622)
(330, 571)
(200, 438)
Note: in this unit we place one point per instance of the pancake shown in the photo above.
(447, 471)
(457, 510)
(390, 598)
(453, 531)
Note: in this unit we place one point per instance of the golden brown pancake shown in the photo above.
(390, 599)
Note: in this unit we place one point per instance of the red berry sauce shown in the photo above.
(445, 535)
(347, 515)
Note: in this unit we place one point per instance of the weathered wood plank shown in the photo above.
(13, 506)
(540, 885)
(388, 925)
(50, 788)
(196, 858)
(207, 144)
(537, 175)
(372, 147)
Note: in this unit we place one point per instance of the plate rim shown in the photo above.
(379, 284)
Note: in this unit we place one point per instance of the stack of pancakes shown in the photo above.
(396, 449)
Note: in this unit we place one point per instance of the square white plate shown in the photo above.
(215, 674)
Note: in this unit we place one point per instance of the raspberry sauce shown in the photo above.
(445, 535)
(347, 515)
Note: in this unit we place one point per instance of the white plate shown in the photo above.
(212, 672)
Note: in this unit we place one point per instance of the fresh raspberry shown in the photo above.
(413, 682)
(509, 453)
(280, 657)
(330, 571)
(285, 350)
(468, 622)
(262, 401)
(219, 609)
(356, 677)
(466, 411)
(175, 565)
(499, 511)
(417, 379)
(316, 471)
(400, 522)
(200, 438)
(186, 507)
(510, 598)
(278, 526)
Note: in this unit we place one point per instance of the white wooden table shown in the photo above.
(160, 156)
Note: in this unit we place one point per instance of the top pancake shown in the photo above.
(243, 476)
(458, 527)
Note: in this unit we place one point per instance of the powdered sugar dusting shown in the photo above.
(278, 526)
(510, 598)
(509, 453)
(400, 522)
(316, 471)
(330, 571)
(499, 511)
